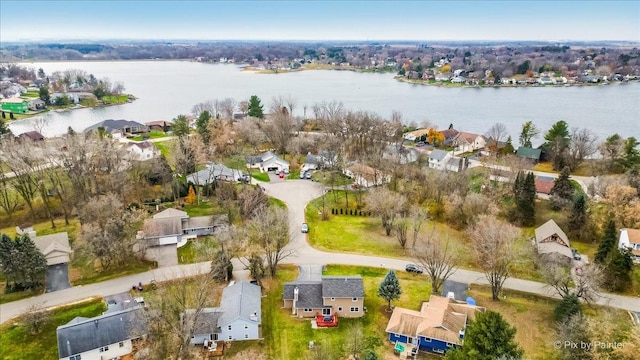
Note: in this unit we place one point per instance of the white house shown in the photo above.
(630, 239)
(366, 176)
(438, 159)
(415, 135)
(239, 316)
(467, 142)
(267, 161)
(141, 151)
(108, 336)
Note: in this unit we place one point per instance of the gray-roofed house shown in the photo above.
(552, 243)
(239, 316)
(339, 295)
(171, 228)
(56, 250)
(214, 172)
(119, 128)
(108, 336)
(267, 161)
(438, 159)
(529, 153)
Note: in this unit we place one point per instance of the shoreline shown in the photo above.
(70, 108)
(497, 86)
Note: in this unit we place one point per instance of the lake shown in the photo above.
(166, 89)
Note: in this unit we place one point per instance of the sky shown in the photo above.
(320, 20)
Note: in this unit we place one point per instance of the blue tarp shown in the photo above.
(471, 301)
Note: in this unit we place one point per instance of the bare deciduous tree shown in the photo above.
(227, 107)
(35, 316)
(497, 132)
(437, 258)
(401, 230)
(418, 216)
(584, 284)
(493, 242)
(269, 233)
(583, 144)
(387, 205)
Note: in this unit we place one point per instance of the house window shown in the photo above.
(340, 308)
(427, 340)
(449, 344)
(333, 299)
(326, 311)
(75, 357)
(121, 344)
(246, 326)
(246, 336)
(354, 299)
(308, 310)
(104, 348)
(440, 351)
(230, 337)
(229, 327)
(354, 309)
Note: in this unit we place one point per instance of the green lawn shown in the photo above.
(115, 99)
(151, 135)
(287, 338)
(277, 203)
(30, 94)
(191, 252)
(325, 178)
(166, 148)
(235, 162)
(264, 177)
(19, 295)
(18, 343)
(83, 271)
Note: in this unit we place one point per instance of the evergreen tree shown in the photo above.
(607, 243)
(567, 307)
(488, 337)
(70, 131)
(202, 126)
(525, 195)
(180, 126)
(22, 264)
(43, 93)
(557, 143)
(630, 152)
(508, 147)
(255, 108)
(562, 187)
(578, 218)
(390, 288)
(529, 131)
(619, 269)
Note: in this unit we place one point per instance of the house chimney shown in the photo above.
(295, 300)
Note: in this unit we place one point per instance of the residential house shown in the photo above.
(467, 142)
(239, 316)
(544, 184)
(529, 153)
(552, 243)
(214, 172)
(443, 77)
(141, 151)
(172, 228)
(366, 176)
(31, 136)
(630, 238)
(267, 161)
(56, 250)
(160, 125)
(456, 164)
(415, 135)
(119, 128)
(109, 336)
(449, 135)
(438, 159)
(331, 295)
(438, 326)
(14, 105)
(36, 104)
(400, 154)
(324, 159)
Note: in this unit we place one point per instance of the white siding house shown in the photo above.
(630, 239)
(438, 159)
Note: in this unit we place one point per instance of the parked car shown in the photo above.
(307, 175)
(281, 175)
(576, 255)
(305, 228)
(420, 144)
(286, 170)
(413, 268)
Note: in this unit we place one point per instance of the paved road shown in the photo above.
(296, 194)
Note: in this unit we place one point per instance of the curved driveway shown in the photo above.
(296, 194)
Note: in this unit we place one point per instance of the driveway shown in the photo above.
(57, 278)
(310, 273)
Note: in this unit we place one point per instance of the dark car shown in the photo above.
(576, 255)
(413, 268)
(305, 228)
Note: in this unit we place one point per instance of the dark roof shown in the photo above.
(31, 135)
(342, 286)
(240, 301)
(529, 153)
(309, 294)
(207, 320)
(81, 334)
(113, 125)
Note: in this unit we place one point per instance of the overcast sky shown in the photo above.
(320, 20)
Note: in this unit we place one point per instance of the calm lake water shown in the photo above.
(166, 89)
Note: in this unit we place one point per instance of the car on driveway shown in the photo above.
(413, 268)
(305, 228)
(576, 255)
(281, 175)
(302, 173)
(307, 175)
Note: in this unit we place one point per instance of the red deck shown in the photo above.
(327, 320)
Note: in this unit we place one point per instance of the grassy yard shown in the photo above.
(235, 162)
(19, 295)
(18, 343)
(115, 99)
(83, 271)
(190, 253)
(44, 228)
(207, 206)
(287, 338)
(166, 149)
(264, 177)
(277, 203)
(325, 178)
(151, 135)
